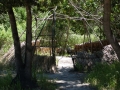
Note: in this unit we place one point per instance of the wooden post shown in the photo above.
(53, 35)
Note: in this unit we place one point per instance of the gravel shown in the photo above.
(66, 78)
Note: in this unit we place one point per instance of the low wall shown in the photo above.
(44, 63)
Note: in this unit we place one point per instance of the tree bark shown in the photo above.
(18, 58)
(107, 27)
(28, 59)
(24, 69)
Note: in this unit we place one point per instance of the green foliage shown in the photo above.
(4, 21)
(5, 38)
(105, 76)
(78, 39)
(80, 67)
(5, 33)
(6, 77)
(20, 14)
(75, 39)
(43, 81)
(115, 18)
(5, 82)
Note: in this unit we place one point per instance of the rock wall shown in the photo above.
(87, 60)
(45, 63)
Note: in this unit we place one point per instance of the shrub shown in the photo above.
(5, 39)
(105, 76)
(5, 81)
(6, 78)
(44, 82)
(78, 39)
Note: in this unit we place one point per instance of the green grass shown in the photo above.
(43, 81)
(7, 75)
(105, 76)
(46, 83)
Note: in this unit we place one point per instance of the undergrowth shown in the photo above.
(43, 81)
(105, 76)
(46, 83)
(6, 77)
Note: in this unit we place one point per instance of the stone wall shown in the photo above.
(45, 63)
(87, 60)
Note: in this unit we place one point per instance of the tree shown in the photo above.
(23, 67)
(107, 27)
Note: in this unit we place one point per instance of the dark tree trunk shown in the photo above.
(107, 27)
(24, 71)
(28, 55)
(18, 58)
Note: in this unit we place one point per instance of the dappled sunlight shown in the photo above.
(66, 78)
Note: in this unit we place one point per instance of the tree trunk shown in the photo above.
(107, 28)
(18, 58)
(24, 71)
(28, 55)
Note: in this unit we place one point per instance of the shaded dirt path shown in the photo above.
(66, 78)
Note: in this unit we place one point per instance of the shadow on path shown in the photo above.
(67, 79)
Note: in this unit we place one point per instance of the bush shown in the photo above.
(6, 77)
(5, 80)
(105, 76)
(78, 39)
(5, 39)
(43, 81)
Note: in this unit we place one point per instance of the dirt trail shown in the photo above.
(66, 79)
